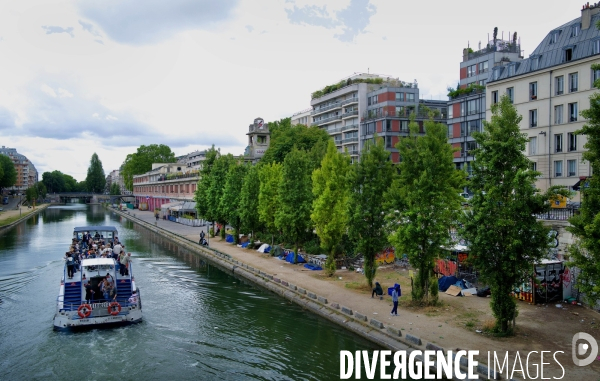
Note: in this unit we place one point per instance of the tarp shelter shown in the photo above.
(311, 266)
(445, 282)
(264, 248)
(229, 238)
(188, 206)
(290, 258)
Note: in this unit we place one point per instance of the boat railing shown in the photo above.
(99, 308)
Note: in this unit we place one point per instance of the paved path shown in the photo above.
(434, 329)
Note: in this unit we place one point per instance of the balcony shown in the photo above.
(353, 139)
(326, 108)
(349, 114)
(336, 130)
(349, 101)
(326, 120)
(350, 127)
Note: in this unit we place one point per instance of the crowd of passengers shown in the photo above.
(95, 246)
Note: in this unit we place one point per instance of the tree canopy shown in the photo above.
(230, 200)
(141, 161)
(249, 201)
(370, 178)
(270, 176)
(96, 179)
(585, 252)
(8, 173)
(284, 137)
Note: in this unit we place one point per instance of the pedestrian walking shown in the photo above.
(395, 294)
(201, 242)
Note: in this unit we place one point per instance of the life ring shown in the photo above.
(84, 310)
(112, 311)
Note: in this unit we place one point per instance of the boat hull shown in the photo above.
(68, 320)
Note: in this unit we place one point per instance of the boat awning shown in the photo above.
(91, 229)
(98, 262)
(188, 206)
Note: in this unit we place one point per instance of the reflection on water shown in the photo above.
(200, 323)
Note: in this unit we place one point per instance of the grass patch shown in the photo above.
(358, 286)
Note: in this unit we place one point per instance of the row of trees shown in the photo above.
(8, 173)
(56, 181)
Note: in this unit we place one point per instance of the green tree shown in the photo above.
(218, 177)
(31, 194)
(201, 194)
(585, 252)
(8, 178)
(249, 201)
(284, 137)
(369, 180)
(41, 189)
(230, 200)
(96, 179)
(429, 188)
(330, 205)
(270, 176)
(505, 238)
(114, 189)
(70, 184)
(54, 181)
(141, 161)
(295, 197)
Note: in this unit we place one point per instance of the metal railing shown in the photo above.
(326, 120)
(350, 127)
(557, 214)
(350, 113)
(353, 139)
(326, 108)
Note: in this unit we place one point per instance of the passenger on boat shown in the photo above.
(89, 292)
(70, 264)
(117, 248)
(106, 288)
(125, 261)
(133, 299)
(110, 279)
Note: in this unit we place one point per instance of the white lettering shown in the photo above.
(357, 364)
(559, 364)
(346, 361)
(370, 367)
(473, 364)
(399, 364)
(457, 372)
(534, 365)
(517, 357)
(412, 365)
(504, 363)
(384, 364)
(445, 364)
(428, 363)
(542, 366)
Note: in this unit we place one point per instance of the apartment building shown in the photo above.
(467, 104)
(549, 89)
(388, 114)
(302, 117)
(27, 175)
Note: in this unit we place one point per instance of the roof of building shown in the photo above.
(549, 53)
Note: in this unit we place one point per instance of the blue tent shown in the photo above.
(446, 281)
(229, 238)
(290, 258)
(245, 244)
(312, 266)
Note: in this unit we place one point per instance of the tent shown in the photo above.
(446, 281)
(290, 258)
(229, 238)
(264, 248)
(312, 266)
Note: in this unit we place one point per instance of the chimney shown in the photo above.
(586, 14)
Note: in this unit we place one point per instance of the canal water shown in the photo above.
(199, 322)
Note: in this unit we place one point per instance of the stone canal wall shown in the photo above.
(371, 329)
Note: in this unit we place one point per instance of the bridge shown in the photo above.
(88, 198)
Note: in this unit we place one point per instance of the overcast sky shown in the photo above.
(85, 76)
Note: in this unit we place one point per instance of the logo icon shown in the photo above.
(590, 348)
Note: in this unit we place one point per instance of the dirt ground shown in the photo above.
(455, 324)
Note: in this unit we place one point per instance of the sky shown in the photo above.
(85, 76)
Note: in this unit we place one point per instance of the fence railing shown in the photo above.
(557, 214)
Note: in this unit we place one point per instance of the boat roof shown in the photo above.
(98, 262)
(94, 228)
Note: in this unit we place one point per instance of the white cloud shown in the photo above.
(110, 117)
(48, 90)
(64, 93)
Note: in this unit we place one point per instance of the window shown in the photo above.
(473, 107)
(558, 114)
(533, 166)
(572, 138)
(404, 126)
(558, 140)
(558, 168)
(573, 112)
(568, 54)
(573, 80)
(532, 90)
(450, 131)
(473, 126)
(450, 111)
(596, 46)
(554, 36)
(388, 142)
(400, 97)
(399, 110)
(261, 139)
(510, 92)
(532, 118)
(533, 145)
(559, 84)
(482, 82)
(511, 69)
(497, 71)
(471, 71)
(462, 109)
(575, 30)
(535, 62)
(595, 76)
(463, 129)
(483, 67)
(410, 109)
(572, 167)
(388, 125)
(410, 97)
(470, 148)
(494, 97)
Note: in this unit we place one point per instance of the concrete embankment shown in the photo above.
(378, 332)
(29, 213)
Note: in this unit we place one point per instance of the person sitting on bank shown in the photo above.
(377, 291)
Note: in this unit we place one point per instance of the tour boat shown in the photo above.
(73, 310)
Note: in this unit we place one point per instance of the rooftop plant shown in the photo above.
(331, 88)
(453, 93)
